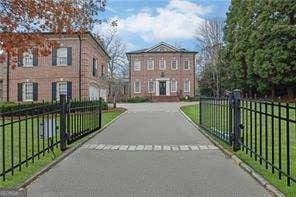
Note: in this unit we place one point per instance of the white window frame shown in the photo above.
(59, 91)
(188, 63)
(174, 60)
(187, 91)
(150, 62)
(62, 57)
(176, 85)
(164, 64)
(138, 67)
(28, 56)
(27, 91)
(153, 87)
(139, 87)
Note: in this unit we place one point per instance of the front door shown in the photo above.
(162, 88)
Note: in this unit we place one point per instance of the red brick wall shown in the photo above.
(44, 74)
(180, 74)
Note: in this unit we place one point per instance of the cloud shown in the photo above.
(179, 19)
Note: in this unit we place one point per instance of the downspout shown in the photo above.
(80, 52)
(7, 78)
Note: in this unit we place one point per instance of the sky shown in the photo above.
(144, 23)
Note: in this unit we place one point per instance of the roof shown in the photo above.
(76, 34)
(161, 47)
(92, 37)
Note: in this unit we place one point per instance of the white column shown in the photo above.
(157, 88)
(168, 90)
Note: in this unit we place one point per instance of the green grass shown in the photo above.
(32, 146)
(207, 119)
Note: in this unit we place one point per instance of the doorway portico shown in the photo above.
(162, 86)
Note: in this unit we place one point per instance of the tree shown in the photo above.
(118, 64)
(209, 37)
(260, 45)
(23, 22)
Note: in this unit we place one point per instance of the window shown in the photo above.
(187, 86)
(161, 64)
(150, 64)
(151, 86)
(137, 87)
(137, 65)
(61, 56)
(27, 93)
(28, 59)
(102, 70)
(186, 64)
(95, 67)
(173, 86)
(174, 65)
(61, 89)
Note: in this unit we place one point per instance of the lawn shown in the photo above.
(253, 136)
(25, 145)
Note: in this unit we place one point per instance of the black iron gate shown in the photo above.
(264, 130)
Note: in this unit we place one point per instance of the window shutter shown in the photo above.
(69, 55)
(20, 58)
(35, 57)
(35, 91)
(54, 90)
(69, 89)
(54, 56)
(20, 92)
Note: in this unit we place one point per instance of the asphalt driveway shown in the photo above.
(150, 151)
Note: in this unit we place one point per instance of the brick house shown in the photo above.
(162, 72)
(78, 68)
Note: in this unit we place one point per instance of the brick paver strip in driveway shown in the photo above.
(147, 172)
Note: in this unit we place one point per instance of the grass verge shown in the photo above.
(192, 112)
(21, 176)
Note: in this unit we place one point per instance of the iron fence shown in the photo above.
(30, 133)
(261, 130)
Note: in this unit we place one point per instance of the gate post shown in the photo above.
(200, 104)
(100, 112)
(237, 120)
(63, 135)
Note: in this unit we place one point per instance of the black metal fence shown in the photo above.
(28, 134)
(261, 130)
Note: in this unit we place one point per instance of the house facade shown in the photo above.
(162, 72)
(78, 69)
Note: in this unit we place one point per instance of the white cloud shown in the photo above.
(177, 20)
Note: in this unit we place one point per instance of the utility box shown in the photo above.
(47, 129)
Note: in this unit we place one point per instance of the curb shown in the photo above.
(66, 153)
(260, 179)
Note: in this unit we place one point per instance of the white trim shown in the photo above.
(176, 84)
(150, 60)
(164, 44)
(188, 86)
(135, 86)
(164, 64)
(28, 53)
(176, 64)
(24, 92)
(137, 68)
(153, 88)
(188, 64)
(63, 64)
